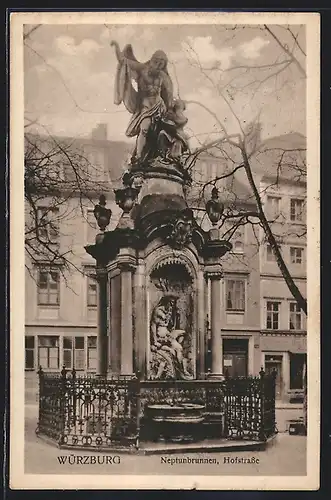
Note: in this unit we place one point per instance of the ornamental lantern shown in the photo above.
(126, 197)
(101, 213)
(214, 207)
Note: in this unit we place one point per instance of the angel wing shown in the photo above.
(127, 70)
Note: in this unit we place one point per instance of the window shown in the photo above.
(92, 353)
(297, 369)
(295, 316)
(92, 227)
(48, 224)
(48, 286)
(273, 206)
(273, 309)
(296, 210)
(296, 255)
(29, 352)
(48, 352)
(79, 353)
(238, 240)
(91, 292)
(235, 295)
(74, 352)
(67, 352)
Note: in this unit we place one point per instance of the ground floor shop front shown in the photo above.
(287, 355)
(243, 353)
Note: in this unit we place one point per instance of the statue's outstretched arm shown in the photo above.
(127, 56)
(118, 52)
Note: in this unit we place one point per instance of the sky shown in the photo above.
(69, 77)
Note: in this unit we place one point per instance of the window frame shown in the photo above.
(57, 347)
(239, 238)
(73, 352)
(295, 248)
(296, 219)
(91, 279)
(93, 349)
(270, 208)
(45, 269)
(242, 299)
(272, 312)
(296, 314)
(48, 226)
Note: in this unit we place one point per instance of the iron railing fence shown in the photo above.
(103, 413)
(250, 407)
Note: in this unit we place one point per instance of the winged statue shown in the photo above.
(151, 101)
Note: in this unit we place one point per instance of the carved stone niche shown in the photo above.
(171, 323)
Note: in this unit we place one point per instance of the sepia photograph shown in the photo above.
(164, 239)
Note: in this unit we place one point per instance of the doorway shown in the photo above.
(274, 363)
(235, 357)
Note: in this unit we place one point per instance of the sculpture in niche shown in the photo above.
(166, 340)
(171, 323)
(157, 119)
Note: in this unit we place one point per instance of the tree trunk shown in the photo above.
(301, 301)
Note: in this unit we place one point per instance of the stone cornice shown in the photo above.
(283, 333)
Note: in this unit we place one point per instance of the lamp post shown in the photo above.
(214, 209)
(102, 216)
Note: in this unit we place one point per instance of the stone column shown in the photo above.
(102, 343)
(215, 323)
(126, 320)
(214, 273)
(202, 330)
(215, 249)
(140, 326)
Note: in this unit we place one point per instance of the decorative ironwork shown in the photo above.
(250, 407)
(88, 412)
(105, 413)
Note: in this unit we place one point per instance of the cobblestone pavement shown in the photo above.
(286, 456)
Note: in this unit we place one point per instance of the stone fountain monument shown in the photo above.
(153, 268)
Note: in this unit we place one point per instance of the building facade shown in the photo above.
(283, 324)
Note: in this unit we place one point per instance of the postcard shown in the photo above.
(164, 235)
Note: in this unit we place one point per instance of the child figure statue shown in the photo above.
(172, 140)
